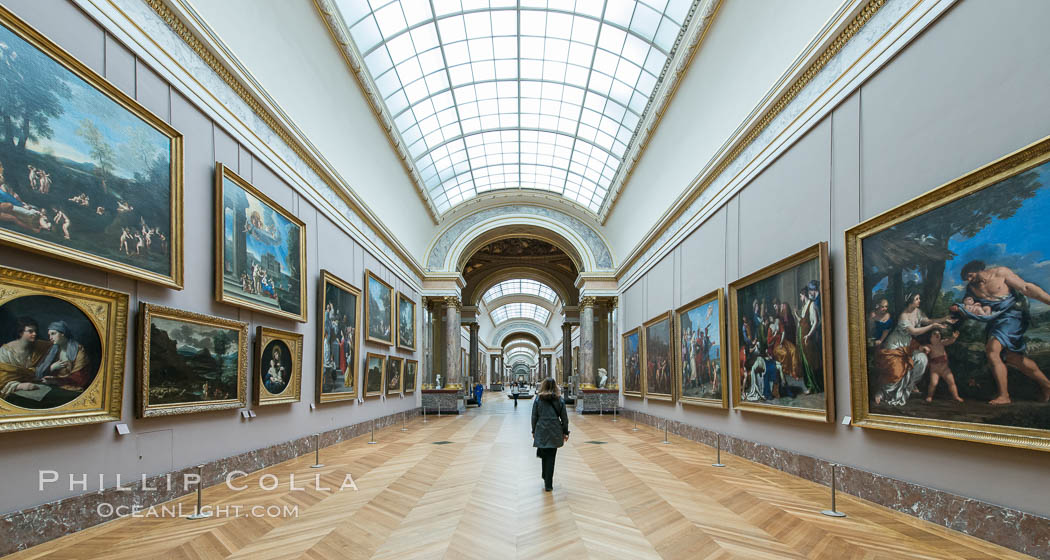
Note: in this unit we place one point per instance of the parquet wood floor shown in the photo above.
(481, 497)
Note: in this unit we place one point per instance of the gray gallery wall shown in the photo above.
(159, 445)
(970, 90)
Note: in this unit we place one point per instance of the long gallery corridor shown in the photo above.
(462, 487)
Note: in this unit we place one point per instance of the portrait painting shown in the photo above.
(278, 366)
(375, 367)
(379, 310)
(86, 173)
(701, 373)
(632, 364)
(656, 355)
(410, 375)
(61, 352)
(406, 322)
(259, 250)
(950, 310)
(337, 339)
(392, 381)
(189, 362)
(781, 339)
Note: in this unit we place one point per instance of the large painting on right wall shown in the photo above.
(949, 312)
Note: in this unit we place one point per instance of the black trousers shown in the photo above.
(547, 456)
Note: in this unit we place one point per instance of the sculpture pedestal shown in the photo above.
(593, 401)
(447, 401)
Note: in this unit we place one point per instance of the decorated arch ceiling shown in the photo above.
(530, 95)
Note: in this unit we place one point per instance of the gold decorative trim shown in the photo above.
(405, 345)
(644, 355)
(588, 301)
(717, 296)
(400, 375)
(452, 301)
(294, 341)
(369, 275)
(382, 375)
(322, 301)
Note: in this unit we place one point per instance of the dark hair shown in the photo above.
(24, 322)
(971, 267)
(549, 390)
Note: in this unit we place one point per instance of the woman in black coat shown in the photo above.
(550, 427)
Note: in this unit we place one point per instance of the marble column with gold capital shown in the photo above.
(587, 304)
(452, 342)
(566, 352)
(472, 360)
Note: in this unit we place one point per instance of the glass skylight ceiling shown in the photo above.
(507, 94)
(520, 354)
(519, 311)
(513, 287)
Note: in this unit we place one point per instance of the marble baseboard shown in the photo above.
(444, 403)
(597, 402)
(1017, 530)
(23, 529)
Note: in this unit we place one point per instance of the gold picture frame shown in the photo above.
(387, 389)
(716, 297)
(332, 308)
(62, 249)
(151, 350)
(367, 388)
(410, 388)
(391, 323)
(403, 344)
(649, 394)
(226, 289)
(637, 334)
(995, 174)
(819, 253)
(289, 348)
(105, 312)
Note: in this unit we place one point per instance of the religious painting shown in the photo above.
(379, 310)
(950, 312)
(406, 322)
(61, 352)
(780, 338)
(701, 373)
(86, 173)
(278, 366)
(337, 339)
(392, 381)
(375, 366)
(656, 355)
(260, 257)
(411, 370)
(632, 364)
(189, 362)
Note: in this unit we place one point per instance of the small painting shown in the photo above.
(406, 322)
(410, 375)
(190, 362)
(337, 339)
(781, 340)
(61, 352)
(656, 341)
(393, 380)
(632, 364)
(950, 310)
(259, 256)
(701, 376)
(379, 310)
(86, 173)
(375, 365)
(278, 366)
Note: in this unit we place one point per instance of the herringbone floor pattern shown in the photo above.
(481, 497)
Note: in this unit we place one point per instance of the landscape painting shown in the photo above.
(632, 364)
(61, 352)
(337, 339)
(393, 379)
(410, 375)
(374, 366)
(278, 366)
(781, 340)
(259, 257)
(190, 362)
(406, 322)
(702, 374)
(950, 310)
(379, 310)
(659, 378)
(86, 173)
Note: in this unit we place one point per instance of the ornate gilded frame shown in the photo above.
(28, 243)
(382, 375)
(401, 343)
(820, 253)
(1012, 164)
(637, 331)
(369, 275)
(292, 393)
(222, 172)
(717, 296)
(404, 386)
(665, 316)
(108, 311)
(147, 311)
(322, 299)
(400, 374)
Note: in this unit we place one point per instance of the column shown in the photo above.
(587, 341)
(614, 343)
(472, 359)
(566, 351)
(452, 344)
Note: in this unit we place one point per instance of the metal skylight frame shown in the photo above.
(521, 310)
(521, 286)
(476, 117)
